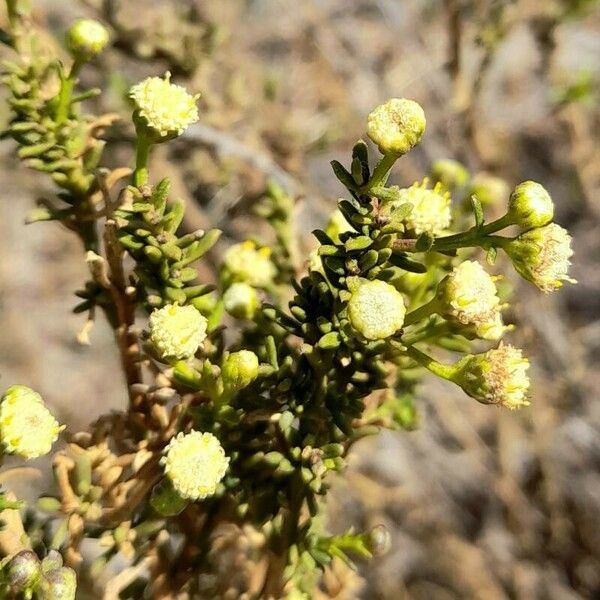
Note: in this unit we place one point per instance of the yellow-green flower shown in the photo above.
(239, 369)
(396, 126)
(162, 108)
(469, 295)
(431, 207)
(195, 463)
(27, 428)
(246, 262)
(87, 38)
(542, 256)
(240, 300)
(498, 376)
(177, 331)
(530, 205)
(376, 310)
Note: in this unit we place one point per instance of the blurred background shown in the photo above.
(481, 503)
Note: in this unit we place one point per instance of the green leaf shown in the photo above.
(400, 260)
(358, 243)
(342, 174)
(491, 256)
(424, 242)
(477, 212)
(330, 341)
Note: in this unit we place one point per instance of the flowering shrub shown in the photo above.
(242, 432)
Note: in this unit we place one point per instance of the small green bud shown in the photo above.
(165, 500)
(241, 300)
(23, 571)
(239, 369)
(530, 205)
(450, 173)
(396, 126)
(60, 584)
(86, 38)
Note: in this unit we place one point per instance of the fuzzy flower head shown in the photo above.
(240, 300)
(450, 173)
(86, 38)
(376, 310)
(195, 463)
(396, 126)
(162, 109)
(530, 205)
(542, 255)
(27, 428)
(431, 207)
(177, 331)
(498, 376)
(246, 262)
(468, 294)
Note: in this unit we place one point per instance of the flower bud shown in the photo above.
(86, 38)
(376, 310)
(468, 294)
(245, 262)
(195, 463)
(27, 428)
(380, 540)
(60, 584)
(498, 376)
(239, 369)
(430, 207)
(542, 255)
(530, 205)
(240, 300)
(23, 571)
(396, 126)
(488, 189)
(450, 173)
(177, 331)
(163, 110)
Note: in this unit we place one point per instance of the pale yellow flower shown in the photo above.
(195, 463)
(376, 310)
(177, 331)
(246, 262)
(431, 207)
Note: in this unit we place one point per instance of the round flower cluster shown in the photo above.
(240, 300)
(396, 126)
(239, 369)
(542, 255)
(530, 205)
(27, 428)
(164, 109)
(498, 376)
(468, 294)
(376, 310)
(246, 262)
(86, 38)
(177, 331)
(431, 207)
(195, 462)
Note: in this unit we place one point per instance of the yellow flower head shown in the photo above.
(468, 294)
(492, 329)
(177, 331)
(87, 38)
(27, 428)
(396, 126)
(163, 108)
(542, 256)
(246, 262)
(195, 463)
(376, 310)
(530, 205)
(431, 207)
(498, 376)
(240, 300)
